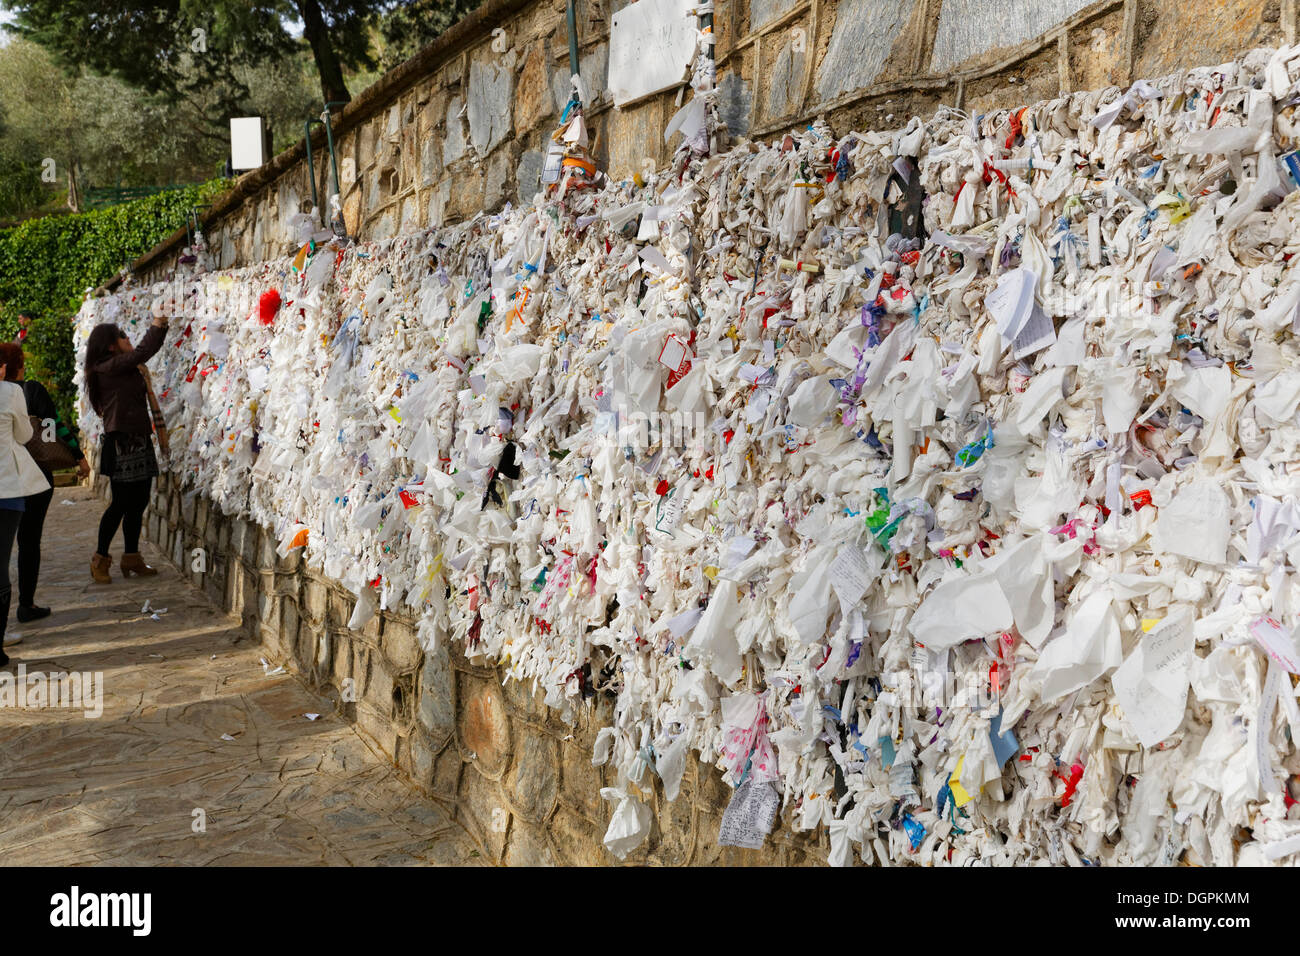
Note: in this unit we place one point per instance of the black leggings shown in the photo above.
(130, 498)
(29, 545)
(8, 530)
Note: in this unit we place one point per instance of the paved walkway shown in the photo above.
(191, 722)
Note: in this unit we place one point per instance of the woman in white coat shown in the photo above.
(19, 477)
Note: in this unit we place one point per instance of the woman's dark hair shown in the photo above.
(11, 357)
(99, 348)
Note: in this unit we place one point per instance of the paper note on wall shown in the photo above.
(1151, 685)
(651, 43)
(748, 818)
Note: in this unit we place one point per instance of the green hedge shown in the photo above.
(47, 264)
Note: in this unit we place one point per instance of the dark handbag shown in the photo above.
(49, 455)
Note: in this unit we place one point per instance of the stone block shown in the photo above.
(594, 67)
(496, 179)
(763, 12)
(290, 563)
(377, 684)
(581, 782)
(967, 30)
(268, 609)
(410, 215)
(860, 43)
(785, 81)
(465, 198)
(447, 772)
(339, 609)
(674, 828)
(423, 756)
(576, 842)
(288, 633)
(439, 199)
(314, 598)
(436, 706)
(352, 211)
(483, 728)
(337, 651)
(634, 135)
(249, 608)
(456, 142)
(521, 701)
(375, 724)
(430, 166)
(482, 810)
(735, 104)
(533, 100)
(266, 546)
(214, 583)
(400, 644)
(384, 228)
(489, 93)
(528, 846)
(534, 782)
(528, 175)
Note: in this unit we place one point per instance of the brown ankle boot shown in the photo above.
(99, 565)
(134, 564)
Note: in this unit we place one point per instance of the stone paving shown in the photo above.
(192, 721)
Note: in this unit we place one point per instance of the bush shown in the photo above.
(47, 264)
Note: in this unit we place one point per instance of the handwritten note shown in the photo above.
(1038, 333)
(1277, 643)
(651, 44)
(748, 818)
(1011, 303)
(850, 574)
(1151, 685)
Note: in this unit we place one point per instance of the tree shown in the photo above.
(408, 27)
(196, 49)
(109, 133)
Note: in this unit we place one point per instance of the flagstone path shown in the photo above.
(200, 756)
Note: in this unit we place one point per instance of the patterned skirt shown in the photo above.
(128, 457)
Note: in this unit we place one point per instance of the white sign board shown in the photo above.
(247, 142)
(651, 46)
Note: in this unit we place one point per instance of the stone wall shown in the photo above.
(517, 777)
(463, 126)
(462, 130)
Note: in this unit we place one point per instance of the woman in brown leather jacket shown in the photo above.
(116, 387)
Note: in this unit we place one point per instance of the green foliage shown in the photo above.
(103, 132)
(179, 49)
(20, 185)
(409, 27)
(197, 49)
(47, 264)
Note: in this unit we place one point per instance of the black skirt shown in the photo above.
(128, 457)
